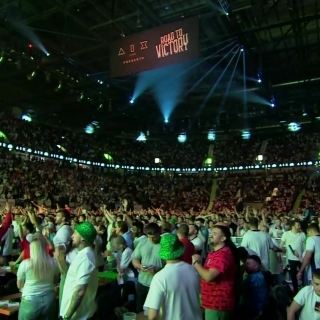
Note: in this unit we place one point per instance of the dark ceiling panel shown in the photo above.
(281, 40)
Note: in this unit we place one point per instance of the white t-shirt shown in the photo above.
(111, 258)
(296, 241)
(311, 245)
(276, 233)
(109, 231)
(63, 236)
(242, 232)
(175, 291)
(15, 228)
(198, 244)
(307, 298)
(251, 252)
(136, 240)
(260, 242)
(82, 271)
(71, 255)
(32, 286)
(125, 258)
(128, 238)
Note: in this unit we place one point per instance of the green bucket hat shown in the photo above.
(87, 231)
(171, 247)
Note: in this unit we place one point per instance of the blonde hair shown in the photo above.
(40, 261)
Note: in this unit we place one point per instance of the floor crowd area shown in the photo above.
(81, 242)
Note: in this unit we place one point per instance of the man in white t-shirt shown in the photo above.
(259, 242)
(64, 232)
(145, 258)
(137, 232)
(78, 299)
(294, 240)
(193, 237)
(63, 235)
(174, 291)
(307, 300)
(276, 230)
(312, 254)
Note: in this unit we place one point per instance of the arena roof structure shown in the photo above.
(54, 63)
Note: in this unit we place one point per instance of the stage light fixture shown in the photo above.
(211, 135)
(142, 137)
(89, 129)
(182, 137)
(246, 134)
(294, 126)
(27, 118)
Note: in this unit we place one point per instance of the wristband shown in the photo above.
(195, 262)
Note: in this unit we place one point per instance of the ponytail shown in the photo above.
(229, 243)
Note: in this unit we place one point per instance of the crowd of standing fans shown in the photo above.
(25, 178)
(168, 264)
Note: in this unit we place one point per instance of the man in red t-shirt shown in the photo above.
(189, 250)
(218, 276)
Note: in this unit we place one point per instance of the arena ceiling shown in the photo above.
(72, 86)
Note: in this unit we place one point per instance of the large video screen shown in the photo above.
(155, 48)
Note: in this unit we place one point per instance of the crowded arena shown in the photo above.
(159, 160)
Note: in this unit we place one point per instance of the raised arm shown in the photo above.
(5, 224)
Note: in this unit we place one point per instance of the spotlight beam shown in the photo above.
(213, 88)
(228, 89)
(210, 70)
(245, 109)
(207, 58)
(142, 85)
(218, 44)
